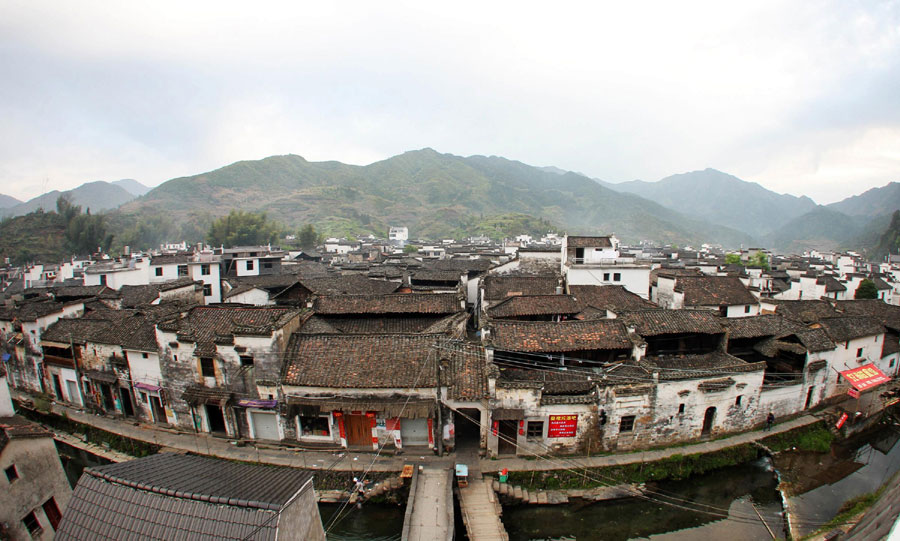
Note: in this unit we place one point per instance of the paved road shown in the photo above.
(432, 513)
(359, 460)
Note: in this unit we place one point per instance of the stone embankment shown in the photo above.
(378, 489)
(512, 495)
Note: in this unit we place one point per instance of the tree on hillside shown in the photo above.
(308, 237)
(85, 233)
(866, 290)
(889, 243)
(241, 228)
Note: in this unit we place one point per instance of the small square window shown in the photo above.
(159, 271)
(859, 352)
(617, 277)
(207, 368)
(182, 270)
(535, 429)
(207, 290)
(144, 355)
(747, 309)
(680, 409)
(246, 360)
(267, 264)
(204, 269)
(144, 398)
(250, 264)
(606, 277)
(626, 424)
(11, 473)
(31, 523)
(737, 400)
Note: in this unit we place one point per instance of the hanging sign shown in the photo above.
(842, 420)
(865, 377)
(562, 426)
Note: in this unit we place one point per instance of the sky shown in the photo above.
(801, 97)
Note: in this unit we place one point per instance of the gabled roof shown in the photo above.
(175, 496)
(501, 287)
(886, 314)
(588, 242)
(760, 326)
(467, 376)
(548, 336)
(204, 325)
(612, 298)
(534, 305)
(804, 311)
(831, 284)
(462, 264)
(844, 328)
(350, 284)
(681, 367)
(658, 322)
(713, 291)
(75, 330)
(17, 427)
(672, 273)
(401, 303)
(362, 361)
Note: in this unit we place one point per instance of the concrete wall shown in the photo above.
(41, 477)
(635, 279)
(300, 519)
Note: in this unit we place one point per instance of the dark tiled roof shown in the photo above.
(680, 367)
(760, 326)
(18, 427)
(534, 305)
(31, 311)
(78, 331)
(805, 311)
(362, 361)
(887, 314)
(550, 336)
(350, 284)
(657, 322)
(713, 291)
(80, 291)
(401, 303)
(429, 275)
(467, 375)
(815, 340)
(588, 242)
(133, 331)
(501, 287)
(831, 284)
(672, 273)
(174, 496)
(379, 325)
(203, 324)
(145, 294)
(844, 328)
(462, 264)
(612, 298)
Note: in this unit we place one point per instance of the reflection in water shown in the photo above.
(374, 522)
(731, 491)
(822, 483)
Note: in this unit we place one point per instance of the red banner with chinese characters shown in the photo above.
(562, 426)
(865, 377)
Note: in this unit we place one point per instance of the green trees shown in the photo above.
(759, 259)
(85, 233)
(308, 238)
(733, 259)
(866, 290)
(241, 228)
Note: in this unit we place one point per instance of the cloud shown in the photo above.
(790, 95)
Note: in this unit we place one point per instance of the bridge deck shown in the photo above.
(481, 510)
(431, 518)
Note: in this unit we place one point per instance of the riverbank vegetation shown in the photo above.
(815, 437)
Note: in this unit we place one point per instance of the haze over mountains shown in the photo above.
(442, 195)
(98, 196)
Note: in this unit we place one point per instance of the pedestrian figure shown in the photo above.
(770, 420)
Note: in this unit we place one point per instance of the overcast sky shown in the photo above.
(801, 97)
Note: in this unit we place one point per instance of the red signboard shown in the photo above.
(842, 420)
(853, 393)
(865, 377)
(562, 426)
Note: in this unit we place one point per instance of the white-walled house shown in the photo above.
(596, 261)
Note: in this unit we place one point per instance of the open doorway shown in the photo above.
(127, 405)
(468, 432)
(809, 397)
(708, 421)
(159, 413)
(215, 418)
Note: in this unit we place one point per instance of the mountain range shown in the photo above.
(97, 196)
(442, 195)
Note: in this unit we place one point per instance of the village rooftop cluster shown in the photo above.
(564, 344)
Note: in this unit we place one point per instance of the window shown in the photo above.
(207, 368)
(535, 429)
(626, 424)
(617, 277)
(737, 400)
(680, 409)
(182, 270)
(606, 277)
(207, 290)
(747, 309)
(859, 352)
(144, 398)
(102, 279)
(892, 364)
(52, 512)
(31, 523)
(314, 425)
(144, 355)
(159, 271)
(246, 360)
(267, 264)
(204, 269)
(11, 473)
(250, 265)
(847, 345)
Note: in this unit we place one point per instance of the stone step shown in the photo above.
(517, 493)
(525, 494)
(504, 489)
(495, 485)
(542, 497)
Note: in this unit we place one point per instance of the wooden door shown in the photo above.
(359, 430)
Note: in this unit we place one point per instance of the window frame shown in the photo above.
(534, 430)
(52, 512)
(626, 424)
(15, 473)
(207, 363)
(34, 529)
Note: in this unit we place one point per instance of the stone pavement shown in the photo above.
(431, 518)
(352, 460)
